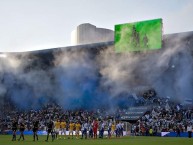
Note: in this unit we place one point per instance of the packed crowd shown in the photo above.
(54, 112)
(164, 117)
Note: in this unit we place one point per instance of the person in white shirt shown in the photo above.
(109, 129)
(118, 127)
(189, 130)
(85, 128)
(121, 128)
(102, 127)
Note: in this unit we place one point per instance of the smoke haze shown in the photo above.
(82, 79)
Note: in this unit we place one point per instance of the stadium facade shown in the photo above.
(88, 33)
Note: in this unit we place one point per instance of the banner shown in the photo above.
(174, 134)
(134, 113)
(138, 36)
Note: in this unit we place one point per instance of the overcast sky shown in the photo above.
(27, 25)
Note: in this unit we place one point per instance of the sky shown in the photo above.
(27, 25)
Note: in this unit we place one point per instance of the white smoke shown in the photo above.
(168, 70)
(79, 78)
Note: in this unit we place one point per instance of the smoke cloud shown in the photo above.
(82, 79)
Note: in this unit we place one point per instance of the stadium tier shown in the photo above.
(97, 71)
(91, 82)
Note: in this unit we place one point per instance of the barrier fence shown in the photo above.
(162, 134)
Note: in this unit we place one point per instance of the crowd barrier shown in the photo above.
(162, 134)
(174, 134)
(9, 132)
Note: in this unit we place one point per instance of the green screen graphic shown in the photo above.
(138, 36)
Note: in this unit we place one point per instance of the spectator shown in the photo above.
(189, 130)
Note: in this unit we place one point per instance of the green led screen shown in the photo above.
(138, 36)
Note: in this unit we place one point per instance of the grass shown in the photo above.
(6, 140)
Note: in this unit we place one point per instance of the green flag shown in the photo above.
(138, 36)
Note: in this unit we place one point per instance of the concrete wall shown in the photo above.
(87, 33)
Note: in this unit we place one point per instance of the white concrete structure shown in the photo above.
(87, 33)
